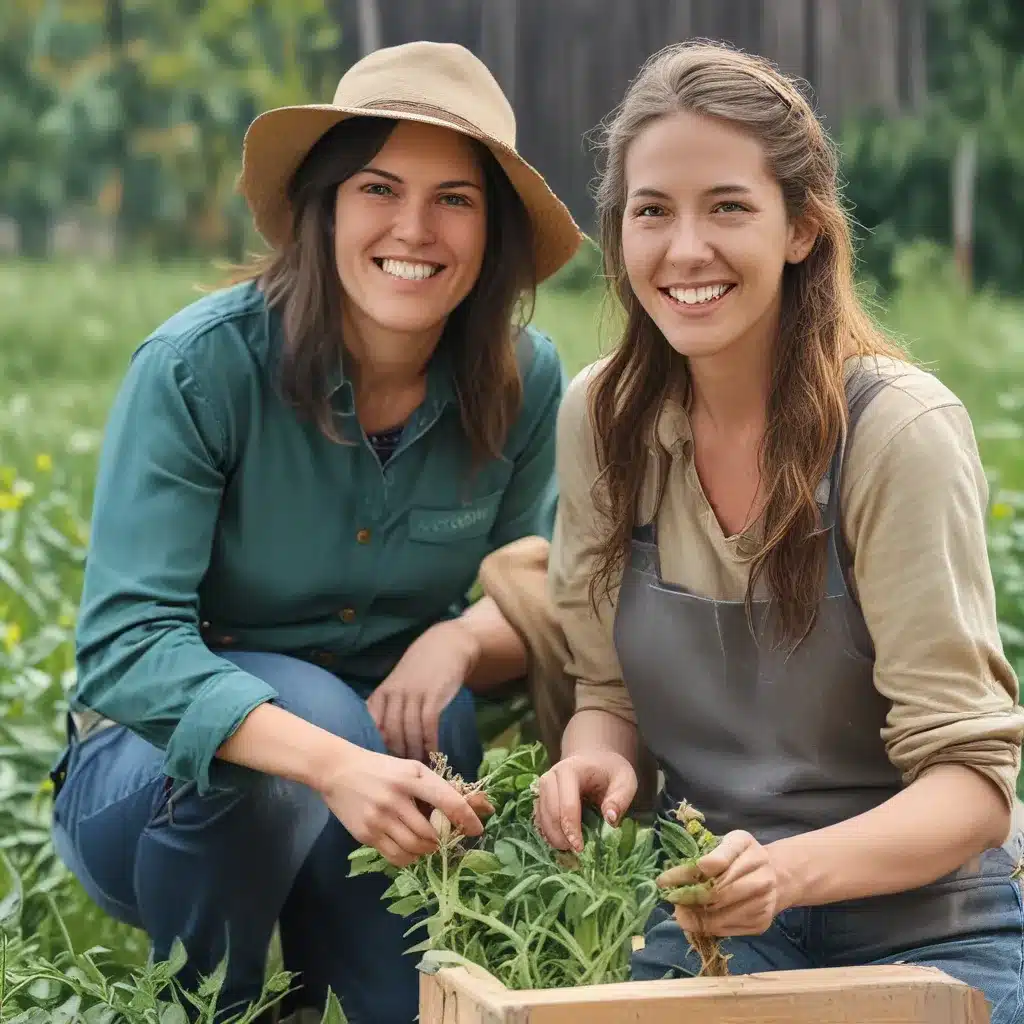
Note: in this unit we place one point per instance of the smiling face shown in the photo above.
(705, 234)
(410, 230)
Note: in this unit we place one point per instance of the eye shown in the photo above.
(730, 206)
(455, 199)
(650, 210)
(378, 188)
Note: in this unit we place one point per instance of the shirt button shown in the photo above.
(347, 614)
(363, 536)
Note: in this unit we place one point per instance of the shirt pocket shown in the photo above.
(453, 525)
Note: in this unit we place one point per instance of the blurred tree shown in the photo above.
(31, 184)
(899, 170)
(141, 108)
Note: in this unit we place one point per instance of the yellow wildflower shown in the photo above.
(9, 501)
(12, 636)
(7, 476)
(44, 463)
(1001, 510)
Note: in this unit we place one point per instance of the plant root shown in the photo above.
(714, 962)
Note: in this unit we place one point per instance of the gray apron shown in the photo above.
(759, 739)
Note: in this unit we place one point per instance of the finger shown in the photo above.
(412, 727)
(682, 874)
(755, 886)
(417, 823)
(546, 812)
(432, 789)
(749, 869)
(619, 794)
(749, 919)
(393, 853)
(731, 846)
(482, 807)
(375, 704)
(391, 726)
(409, 835)
(570, 813)
(430, 722)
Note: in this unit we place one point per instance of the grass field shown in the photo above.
(66, 333)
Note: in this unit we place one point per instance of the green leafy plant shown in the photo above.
(684, 841)
(532, 916)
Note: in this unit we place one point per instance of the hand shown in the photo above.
(375, 797)
(407, 706)
(747, 893)
(604, 778)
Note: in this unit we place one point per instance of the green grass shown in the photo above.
(66, 333)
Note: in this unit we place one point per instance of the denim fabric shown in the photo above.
(255, 850)
(982, 943)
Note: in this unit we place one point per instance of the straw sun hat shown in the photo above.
(434, 83)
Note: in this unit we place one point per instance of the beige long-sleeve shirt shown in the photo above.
(913, 498)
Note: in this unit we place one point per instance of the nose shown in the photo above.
(414, 222)
(689, 245)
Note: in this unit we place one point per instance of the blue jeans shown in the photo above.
(970, 927)
(219, 871)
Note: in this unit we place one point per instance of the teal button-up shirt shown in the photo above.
(222, 519)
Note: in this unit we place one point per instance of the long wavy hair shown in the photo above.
(301, 280)
(822, 323)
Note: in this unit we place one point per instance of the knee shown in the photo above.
(315, 695)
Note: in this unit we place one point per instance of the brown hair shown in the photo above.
(822, 322)
(301, 279)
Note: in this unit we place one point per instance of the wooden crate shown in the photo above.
(896, 994)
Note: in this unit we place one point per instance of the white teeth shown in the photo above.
(409, 271)
(694, 296)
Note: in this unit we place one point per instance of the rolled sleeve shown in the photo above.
(575, 545)
(141, 660)
(915, 520)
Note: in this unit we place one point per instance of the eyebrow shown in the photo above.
(456, 183)
(715, 190)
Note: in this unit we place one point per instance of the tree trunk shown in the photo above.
(369, 27)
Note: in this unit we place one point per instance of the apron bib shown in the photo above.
(759, 739)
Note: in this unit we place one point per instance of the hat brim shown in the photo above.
(277, 142)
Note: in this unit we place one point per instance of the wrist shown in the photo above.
(461, 633)
(330, 759)
(787, 877)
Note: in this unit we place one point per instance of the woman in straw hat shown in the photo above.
(770, 566)
(300, 477)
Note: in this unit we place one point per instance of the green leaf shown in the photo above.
(11, 904)
(210, 986)
(173, 1014)
(408, 905)
(333, 1013)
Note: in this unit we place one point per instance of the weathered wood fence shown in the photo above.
(566, 63)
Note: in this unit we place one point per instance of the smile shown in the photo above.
(407, 270)
(704, 296)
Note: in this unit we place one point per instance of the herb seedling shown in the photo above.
(684, 841)
(532, 916)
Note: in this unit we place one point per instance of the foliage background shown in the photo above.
(134, 111)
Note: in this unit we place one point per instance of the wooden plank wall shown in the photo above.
(566, 63)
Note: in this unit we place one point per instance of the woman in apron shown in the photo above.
(770, 565)
(300, 478)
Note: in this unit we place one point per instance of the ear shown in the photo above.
(803, 233)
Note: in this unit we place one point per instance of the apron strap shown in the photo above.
(862, 386)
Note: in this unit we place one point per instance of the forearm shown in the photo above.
(943, 819)
(592, 730)
(276, 742)
(498, 654)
